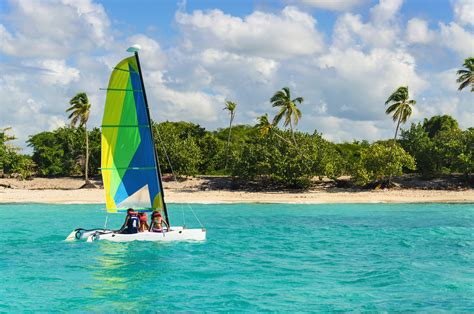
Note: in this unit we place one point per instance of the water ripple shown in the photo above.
(258, 258)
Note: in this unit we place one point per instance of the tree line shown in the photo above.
(431, 148)
(264, 153)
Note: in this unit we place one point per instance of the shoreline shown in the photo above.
(217, 191)
(96, 196)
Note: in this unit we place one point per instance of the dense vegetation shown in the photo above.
(436, 146)
(11, 161)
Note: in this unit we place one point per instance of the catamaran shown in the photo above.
(129, 163)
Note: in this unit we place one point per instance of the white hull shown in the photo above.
(176, 234)
(82, 234)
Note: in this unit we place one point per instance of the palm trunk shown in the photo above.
(228, 140)
(292, 133)
(284, 139)
(391, 149)
(86, 170)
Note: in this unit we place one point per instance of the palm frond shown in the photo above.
(406, 114)
(392, 108)
(230, 106)
(279, 116)
(278, 97)
(466, 76)
(74, 120)
(298, 99)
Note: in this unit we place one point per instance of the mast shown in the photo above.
(158, 170)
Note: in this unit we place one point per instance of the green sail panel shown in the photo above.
(129, 169)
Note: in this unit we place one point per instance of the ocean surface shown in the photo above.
(378, 257)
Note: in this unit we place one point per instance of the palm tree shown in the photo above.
(282, 99)
(401, 109)
(466, 76)
(266, 128)
(230, 106)
(80, 109)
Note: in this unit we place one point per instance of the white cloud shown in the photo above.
(188, 106)
(444, 98)
(464, 11)
(333, 5)
(288, 34)
(360, 82)
(381, 30)
(20, 110)
(418, 32)
(385, 11)
(455, 37)
(341, 129)
(151, 54)
(263, 68)
(54, 29)
(55, 72)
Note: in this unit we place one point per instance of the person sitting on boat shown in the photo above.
(143, 222)
(131, 223)
(157, 222)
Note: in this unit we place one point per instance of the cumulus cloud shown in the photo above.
(30, 114)
(287, 34)
(381, 30)
(54, 72)
(263, 68)
(358, 87)
(452, 36)
(464, 11)
(418, 32)
(188, 105)
(385, 11)
(333, 5)
(342, 129)
(455, 37)
(444, 98)
(151, 52)
(54, 29)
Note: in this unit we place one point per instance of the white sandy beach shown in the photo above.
(65, 191)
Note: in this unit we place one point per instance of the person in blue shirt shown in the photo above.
(131, 224)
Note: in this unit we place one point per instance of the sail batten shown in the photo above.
(129, 166)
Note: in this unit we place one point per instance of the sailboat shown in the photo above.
(129, 163)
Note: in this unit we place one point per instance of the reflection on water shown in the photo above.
(108, 268)
(121, 267)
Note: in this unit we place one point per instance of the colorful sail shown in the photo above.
(129, 169)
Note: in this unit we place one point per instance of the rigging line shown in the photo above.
(192, 210)
(174, 175)
(171, 167)
(184, 219)
(166, 154)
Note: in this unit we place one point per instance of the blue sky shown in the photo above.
(343, 57)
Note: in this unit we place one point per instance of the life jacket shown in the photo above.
(143, 217)
(132, 224)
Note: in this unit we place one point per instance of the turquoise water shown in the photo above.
(257, 258)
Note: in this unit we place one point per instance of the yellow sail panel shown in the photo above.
(128, 157)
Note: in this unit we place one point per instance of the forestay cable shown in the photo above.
(162, 143)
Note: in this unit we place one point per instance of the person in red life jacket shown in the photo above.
(131, 223)
(157, 222)
(143, 222)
